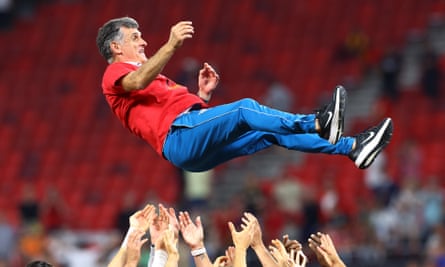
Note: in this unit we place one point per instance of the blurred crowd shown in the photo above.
(397, 224)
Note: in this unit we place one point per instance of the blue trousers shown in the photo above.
(201, 139)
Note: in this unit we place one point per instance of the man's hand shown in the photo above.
(220, 261)
(173, 220)
(257, 239)
(294, 258)
(291, 244)
(193, 233)
(207, 81)
(227, 259)
(230, 254)
(142, 219)
(179, 32)
(157, 228)
(242, 239)
(325, 250)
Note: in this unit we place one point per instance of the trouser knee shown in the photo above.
(248, 103)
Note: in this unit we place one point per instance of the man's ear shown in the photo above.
(115, 47)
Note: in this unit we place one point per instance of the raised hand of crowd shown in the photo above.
(164, 227)
(325, 251)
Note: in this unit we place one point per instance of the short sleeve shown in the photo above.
(112, 74)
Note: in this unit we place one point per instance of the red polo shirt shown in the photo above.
(148, 113)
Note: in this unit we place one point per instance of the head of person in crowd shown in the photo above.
(39, 264)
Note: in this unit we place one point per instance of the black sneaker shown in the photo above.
(369, 143)
(331, 117)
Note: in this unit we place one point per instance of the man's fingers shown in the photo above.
(231, 227)
(181, 31)
(249, 216)
(184, 23)
(186, 30)
(315, 239)
(311, 245)
(317, 248)
(209, 72)
(208, 67)
(220, 261)
(277, 243)
(329, 239)
(292, 244)
(187, 218)
(198, 221)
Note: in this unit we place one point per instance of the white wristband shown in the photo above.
(160, 258)
(198, 251)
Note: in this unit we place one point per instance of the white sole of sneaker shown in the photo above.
(369, 152)
(336, 126)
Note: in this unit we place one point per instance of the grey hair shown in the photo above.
(110, 32)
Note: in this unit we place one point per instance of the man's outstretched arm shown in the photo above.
(142, 77)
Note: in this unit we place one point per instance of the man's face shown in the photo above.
(132, 46)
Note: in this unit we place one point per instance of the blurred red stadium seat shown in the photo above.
(55, 97)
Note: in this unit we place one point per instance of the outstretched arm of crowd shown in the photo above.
(139, 221)
(241, 240)
(143, 76)
(193, 235)
(172, 219)
(134, 245)
(325, 251)
(170, 239)
(160, 224)
(257, 241)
